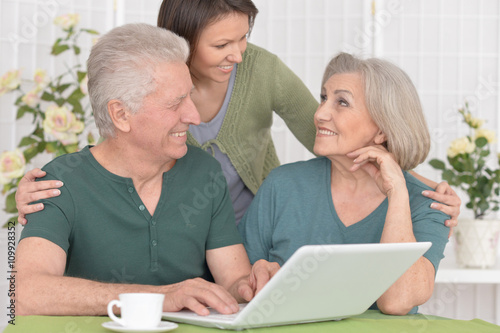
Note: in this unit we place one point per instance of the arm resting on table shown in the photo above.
(43, 290)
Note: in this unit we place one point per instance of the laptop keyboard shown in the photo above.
(214, 314)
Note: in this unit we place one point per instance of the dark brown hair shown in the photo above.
(188, 18)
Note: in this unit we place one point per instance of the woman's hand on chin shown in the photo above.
(380, 165)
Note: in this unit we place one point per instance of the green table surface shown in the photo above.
(370, 321)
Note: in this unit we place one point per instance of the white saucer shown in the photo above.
(163, 327)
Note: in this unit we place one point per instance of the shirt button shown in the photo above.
(130, 189)
(141, 207)
(153, 222)
(154, 243)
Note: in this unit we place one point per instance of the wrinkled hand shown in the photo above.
(30, 190)
(196, 294)
(449, 203)
(380, 165)
(262, 272)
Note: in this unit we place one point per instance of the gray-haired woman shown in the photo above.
(370, 129)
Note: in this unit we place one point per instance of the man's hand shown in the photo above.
(196, 294)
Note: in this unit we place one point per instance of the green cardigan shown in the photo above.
(263, 84)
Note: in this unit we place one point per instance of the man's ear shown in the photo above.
(380, 138)
(119, 115)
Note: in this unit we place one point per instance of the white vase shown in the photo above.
(476, 242)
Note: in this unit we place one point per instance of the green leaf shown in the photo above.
(8, 223)
(30, 152)
(61, 150)
(468, 179)
(19, 100)
(51, 146)
(77, 107)
(71, 148)
(60, 101)
(459, 166)
(437, 164)
(474, 193)
(41, 146)
(484, 153)
(486, 191)
(59, 40)
(60, 48)
(9, 186)
(482, 181)
(70, 31)
(22, 111)
(74, 101)
(450, 177)
(76, 49)
(92, 32)
(481, 142)
(81, 75)
(483, 205)
(60, 89)
(76, 95)
(90, 139)
(48, 97)
(38, 132)
(10, 203)
(26, 141)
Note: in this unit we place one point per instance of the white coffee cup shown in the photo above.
(138, 310)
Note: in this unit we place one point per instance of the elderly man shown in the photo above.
(141, 211)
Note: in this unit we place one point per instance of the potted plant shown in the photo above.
(58, 106)
(475, 172)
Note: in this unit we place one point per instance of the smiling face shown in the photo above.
(161, 124)
(220, 46)
(343, 123)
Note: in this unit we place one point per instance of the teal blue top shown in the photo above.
(101, 223)
(294, 207)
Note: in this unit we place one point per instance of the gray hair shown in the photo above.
(121, 66)
(393, 103)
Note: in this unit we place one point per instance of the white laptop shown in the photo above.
(318, 283)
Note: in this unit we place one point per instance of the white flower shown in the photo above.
(31, 99)
(67, 21)
(41, 79)
(487, 134)
(460, 146)
(10, 81)
(12, 165)
(62, 124)
(473, 122)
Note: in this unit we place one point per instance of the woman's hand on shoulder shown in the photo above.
(29, 190)
(380, 165)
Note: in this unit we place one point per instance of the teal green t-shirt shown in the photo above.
(108, 235)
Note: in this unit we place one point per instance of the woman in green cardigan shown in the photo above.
(237, 86)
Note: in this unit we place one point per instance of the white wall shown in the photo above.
(450, 48)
